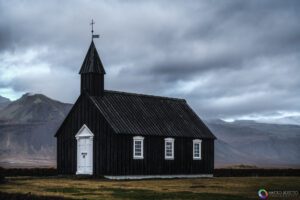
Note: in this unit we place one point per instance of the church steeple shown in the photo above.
(92, 71)
(92, 62)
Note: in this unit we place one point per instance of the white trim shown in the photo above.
(80, 133)
(172, 142)
(159, 176)
(197, 141)
(141, 139)
(138, 137)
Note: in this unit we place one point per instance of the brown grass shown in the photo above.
(208, 188)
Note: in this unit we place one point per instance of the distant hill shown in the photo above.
(3, 102)
(284, 120)
(253, 143)
(34, 108)
(28, 125)
(27, 128)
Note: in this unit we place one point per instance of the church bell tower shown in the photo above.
(92, 71)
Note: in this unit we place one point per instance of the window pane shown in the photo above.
(169, 149)
(197, 153)
(138, 148)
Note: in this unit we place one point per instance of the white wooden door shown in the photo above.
(84, 155)
(84, 139)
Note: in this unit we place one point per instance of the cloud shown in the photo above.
(229, 59)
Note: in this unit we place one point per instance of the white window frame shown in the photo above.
(172, 141)
(141, 139)
(197, 141)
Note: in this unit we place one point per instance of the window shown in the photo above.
(197, 149)
(169, 148)
(138, 147)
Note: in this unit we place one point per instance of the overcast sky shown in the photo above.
(228, 59)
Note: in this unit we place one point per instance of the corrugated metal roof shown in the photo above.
(92, 62)
(140, 114)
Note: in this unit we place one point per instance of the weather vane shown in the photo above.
(92, 24)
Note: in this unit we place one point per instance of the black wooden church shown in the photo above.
(126, 135)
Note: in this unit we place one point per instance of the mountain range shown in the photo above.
(28, 125)
(27, 128)
(4, 102)
(252, 143)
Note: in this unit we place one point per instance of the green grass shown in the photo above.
(63, 190)
(206, 188)
(137, 194)
(120, 193)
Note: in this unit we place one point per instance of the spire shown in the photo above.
(92, 71)
(92, 62)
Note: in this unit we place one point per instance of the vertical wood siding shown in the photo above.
(121, 161)
(89, 81)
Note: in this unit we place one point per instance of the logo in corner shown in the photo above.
(263, 194)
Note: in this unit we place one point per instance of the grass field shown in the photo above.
(204, 188)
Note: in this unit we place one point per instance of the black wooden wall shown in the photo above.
(121, 160)
(113, 154)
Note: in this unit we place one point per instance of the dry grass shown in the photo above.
(209, 188)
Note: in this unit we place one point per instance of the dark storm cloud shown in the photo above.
(233, 34)
(228, 59)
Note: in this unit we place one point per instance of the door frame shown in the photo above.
(85, 132)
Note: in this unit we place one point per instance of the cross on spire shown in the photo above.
(92, 24)
(93, 36)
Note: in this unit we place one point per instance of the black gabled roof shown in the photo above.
(140, 114)
(92, 62)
